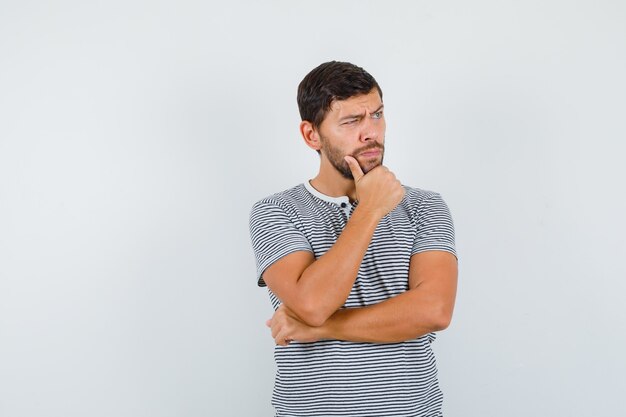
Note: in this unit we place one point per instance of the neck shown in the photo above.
(331, 183)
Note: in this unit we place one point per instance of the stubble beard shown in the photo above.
(335, 157)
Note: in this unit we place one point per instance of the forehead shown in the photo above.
(356, 105)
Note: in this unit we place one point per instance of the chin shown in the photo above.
(369, 165)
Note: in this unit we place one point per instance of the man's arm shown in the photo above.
(425, 307)
(315, 289)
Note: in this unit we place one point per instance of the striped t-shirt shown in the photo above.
(340, 378)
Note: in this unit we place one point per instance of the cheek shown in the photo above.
(382, 128)
(340, 151)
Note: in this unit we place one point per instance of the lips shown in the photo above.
(370, 153)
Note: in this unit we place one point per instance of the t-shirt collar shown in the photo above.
(336, 200)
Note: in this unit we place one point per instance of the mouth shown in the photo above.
(370, 153)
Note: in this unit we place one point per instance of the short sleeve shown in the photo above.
(273, 235)
(435, 230)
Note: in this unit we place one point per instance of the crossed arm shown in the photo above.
(313, 291)
(425, 307)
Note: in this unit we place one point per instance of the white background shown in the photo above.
(135, 136)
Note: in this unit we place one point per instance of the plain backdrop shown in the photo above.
(136, 135)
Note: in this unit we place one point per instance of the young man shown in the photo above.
(361, 270)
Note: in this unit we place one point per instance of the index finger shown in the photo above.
(355, 168)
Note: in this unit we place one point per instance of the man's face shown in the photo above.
(354, 127)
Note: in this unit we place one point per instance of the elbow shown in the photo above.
(315, 321)
(312, 315)
(314, 318)
(441, 323)
(441, 319)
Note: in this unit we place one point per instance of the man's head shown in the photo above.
(329, 82)
(342, 114)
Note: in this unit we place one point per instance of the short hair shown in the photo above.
(328, 82)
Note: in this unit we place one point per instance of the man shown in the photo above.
(361, 270)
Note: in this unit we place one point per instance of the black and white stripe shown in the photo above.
(339, 378)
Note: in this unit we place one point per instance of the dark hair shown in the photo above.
(329, 82)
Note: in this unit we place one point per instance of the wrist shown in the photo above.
(369, 215)
(331, 327)
(322, 332)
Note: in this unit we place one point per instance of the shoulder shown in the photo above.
(285, 201)
(423, 204)
(417, 196)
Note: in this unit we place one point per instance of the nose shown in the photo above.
(369, 130)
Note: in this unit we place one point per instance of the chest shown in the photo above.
(384, 269)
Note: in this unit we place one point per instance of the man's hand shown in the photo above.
(378, 191)
(313, 288)
(286, 327)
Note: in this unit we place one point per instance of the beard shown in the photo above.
(335, 157)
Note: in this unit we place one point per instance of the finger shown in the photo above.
(282, 339)
(275, 330)
(355, 168)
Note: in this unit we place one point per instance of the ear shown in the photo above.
(310, 135)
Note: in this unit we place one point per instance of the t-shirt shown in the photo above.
(341, 378)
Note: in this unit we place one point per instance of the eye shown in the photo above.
(377, 115)
(349, 121)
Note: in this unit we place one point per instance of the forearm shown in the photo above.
(426, 307)
(324, 286)
(407, 316)
(315, 289)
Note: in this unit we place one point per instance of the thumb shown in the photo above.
(355, 168)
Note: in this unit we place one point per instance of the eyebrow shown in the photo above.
(378, 109)
(357, 116)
